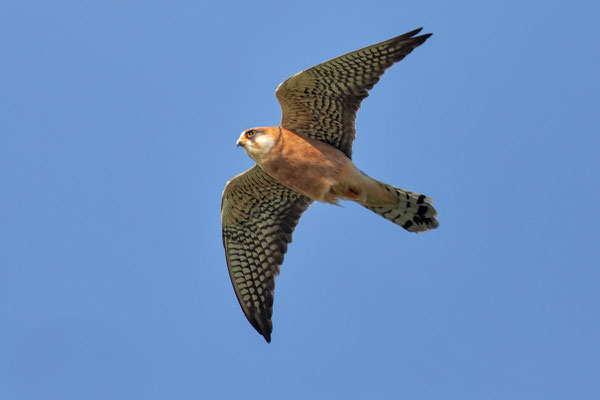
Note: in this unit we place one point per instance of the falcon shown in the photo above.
(308, 158)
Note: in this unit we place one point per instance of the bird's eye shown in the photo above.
(250, 133)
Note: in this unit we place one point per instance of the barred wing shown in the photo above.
(258, 215)
(321, 102)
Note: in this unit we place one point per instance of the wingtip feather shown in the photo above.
(411, 33)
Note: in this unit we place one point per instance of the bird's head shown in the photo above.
(258, 142)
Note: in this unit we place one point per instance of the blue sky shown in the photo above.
(118, 122)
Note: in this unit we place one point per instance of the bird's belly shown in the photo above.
(310, 174)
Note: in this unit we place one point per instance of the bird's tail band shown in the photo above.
(412, 211)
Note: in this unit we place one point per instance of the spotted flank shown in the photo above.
(413, 212)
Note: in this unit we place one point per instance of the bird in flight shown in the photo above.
(307, 158)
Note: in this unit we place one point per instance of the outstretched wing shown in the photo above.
(258, 216)
(321, 102)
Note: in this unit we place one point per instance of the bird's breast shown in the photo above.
(307, 166)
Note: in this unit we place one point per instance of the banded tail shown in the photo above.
(413, 211)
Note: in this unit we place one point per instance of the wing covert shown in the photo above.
(321, 102)
(258, 216)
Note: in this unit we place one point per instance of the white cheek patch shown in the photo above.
(265, 142)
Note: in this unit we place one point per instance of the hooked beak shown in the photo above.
(241, 142)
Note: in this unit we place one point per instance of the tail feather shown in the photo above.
(413, 211)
